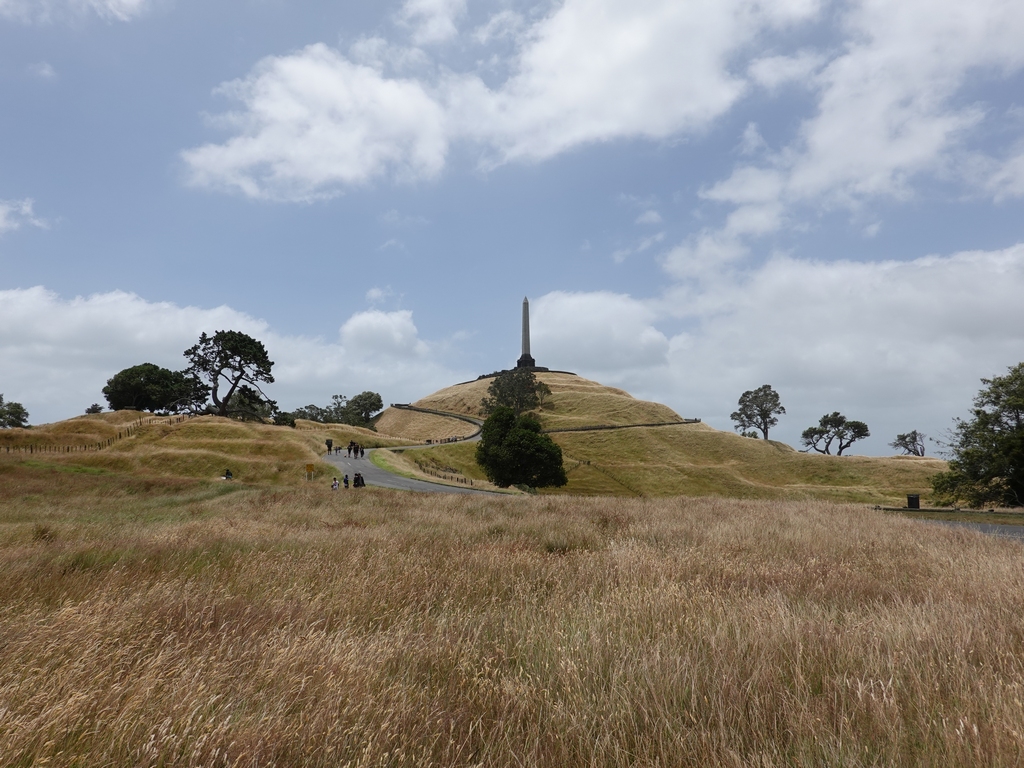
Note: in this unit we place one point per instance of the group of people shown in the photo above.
(354, 449)
(357, 482)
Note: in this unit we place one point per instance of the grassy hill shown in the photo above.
(574, 402)
(684, 459)
(688, 459)
(201, 447)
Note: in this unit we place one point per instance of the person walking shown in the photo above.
(344, 480)
(334, 485)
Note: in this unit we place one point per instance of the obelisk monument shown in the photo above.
(525, 360)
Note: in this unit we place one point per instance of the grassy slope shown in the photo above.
(574, 402)
(169, 622)
(420, 427)
(202, 447)
(79, 431)
(691, 459)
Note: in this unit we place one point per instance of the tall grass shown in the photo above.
(176, 623)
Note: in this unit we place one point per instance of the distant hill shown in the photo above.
(688, 459)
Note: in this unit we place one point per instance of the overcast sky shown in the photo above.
(698, 196)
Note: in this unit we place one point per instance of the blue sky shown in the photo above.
(698, 197)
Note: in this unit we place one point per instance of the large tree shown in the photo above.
(834, 428)
(512, 451)
(359, 411)
(911, 443)
(515, 389)
(226, 361)
(986, 451)
(148, 387)
(12, 415)
(757, 410)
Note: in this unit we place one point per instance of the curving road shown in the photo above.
(374, 475)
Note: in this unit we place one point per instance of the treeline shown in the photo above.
(357, 411)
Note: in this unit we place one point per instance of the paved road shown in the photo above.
(993, 529)
(374, 475)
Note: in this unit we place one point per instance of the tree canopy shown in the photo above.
(834, 428)
(911, 443)
(512, 451)
(357, 411)
(517, 389)
(757, 410)
(148, 387)
(986, 451)
(231, 359)
(12, 415)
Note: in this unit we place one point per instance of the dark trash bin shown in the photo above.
(913, 501)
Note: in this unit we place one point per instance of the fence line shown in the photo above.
(450, 478)
(127, 431)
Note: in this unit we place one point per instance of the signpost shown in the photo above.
(309, 471)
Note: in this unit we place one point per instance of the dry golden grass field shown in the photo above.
(150, 620)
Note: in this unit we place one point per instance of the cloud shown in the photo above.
(900, 345)
(1006, 179)
(503, 24)
(58, 353)
(649, 217)
(646, 243)
(774, 71)
(599, 70)
(602, 332)
(315, 122)
(43, 70)
(393, 218)
(46, 11)
(16, 213)
(890, 110)
(432, 21)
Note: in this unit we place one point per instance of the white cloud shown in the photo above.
(503, 24)
(58, 353)
(602, 332)
(42, 70)
(377, 295)
(888, 109)
(752, 141)
(1006, 179)
(383, 334)
(598, 70)
(432, 21)
(44, 11)
(16, 213)
(314, 122)
(649, 217)
(774, 71)
(646, 243)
